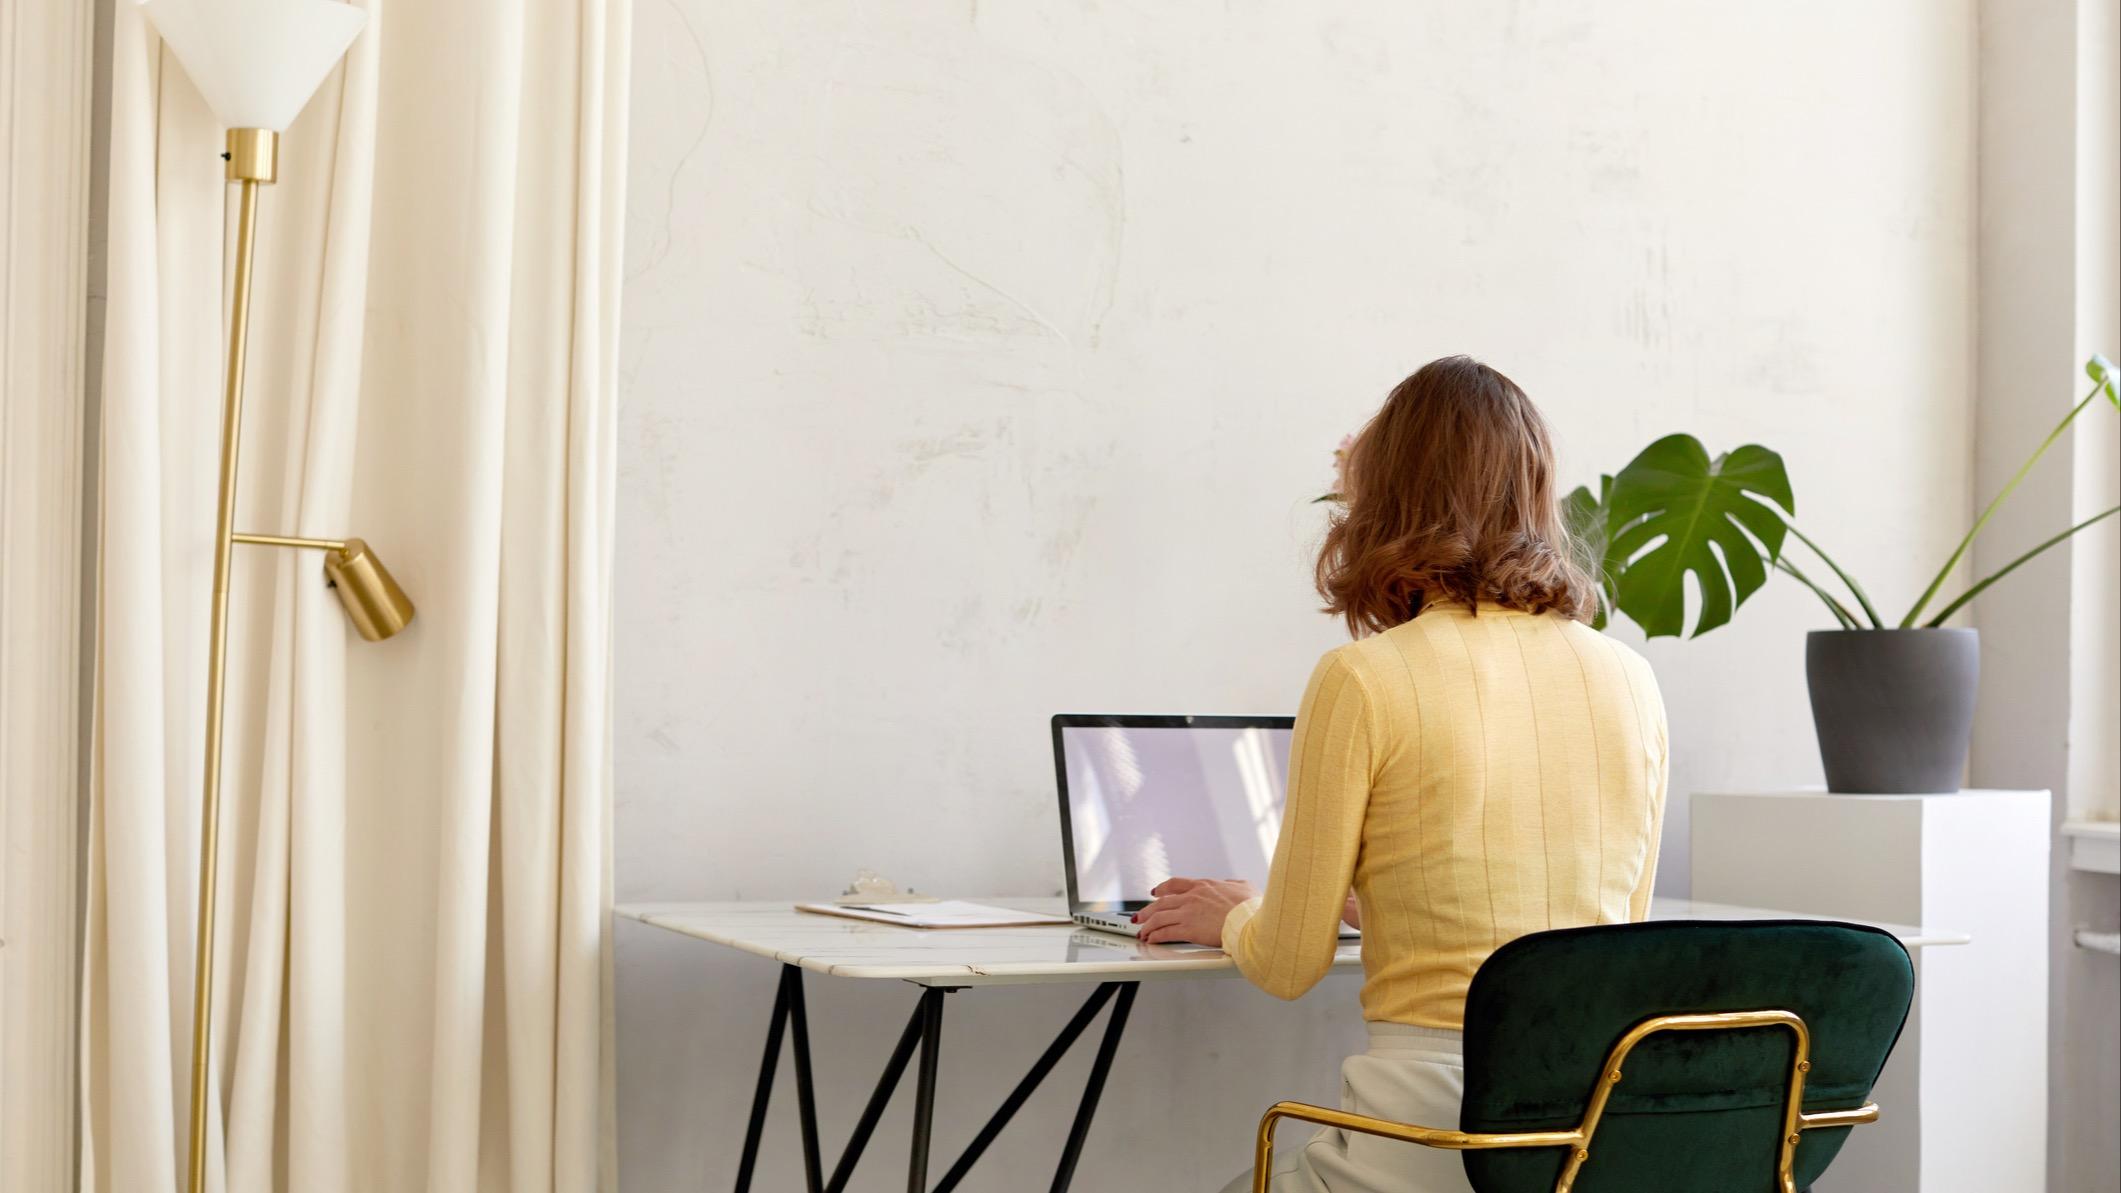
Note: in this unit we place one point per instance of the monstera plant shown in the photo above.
(1674, 510)
(1893, 702)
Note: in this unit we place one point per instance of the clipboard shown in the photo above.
(945, 913)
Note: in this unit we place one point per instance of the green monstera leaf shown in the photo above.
(1584, 515)
(1673, 510)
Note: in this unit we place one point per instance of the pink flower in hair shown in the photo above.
(1340, 471)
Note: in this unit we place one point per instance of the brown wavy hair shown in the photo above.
(1449, 495)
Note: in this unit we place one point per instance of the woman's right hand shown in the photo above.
(1351, 913)
(1190, 910)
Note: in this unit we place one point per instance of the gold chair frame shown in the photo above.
(1578, 1139)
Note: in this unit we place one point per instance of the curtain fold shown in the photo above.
(412, 981)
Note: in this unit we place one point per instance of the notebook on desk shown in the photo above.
(944, 913)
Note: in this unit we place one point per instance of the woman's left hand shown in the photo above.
(1191, 910)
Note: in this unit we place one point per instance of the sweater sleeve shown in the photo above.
(1659, 742)
(1285, 940)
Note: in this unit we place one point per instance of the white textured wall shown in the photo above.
(980, 361)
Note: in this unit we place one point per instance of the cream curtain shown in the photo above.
(415, 845)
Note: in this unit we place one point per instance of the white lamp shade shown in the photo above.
(256, 61)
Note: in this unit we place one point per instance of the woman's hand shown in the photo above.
(1191, 910)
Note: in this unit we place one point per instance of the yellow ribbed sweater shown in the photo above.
(1475, 778)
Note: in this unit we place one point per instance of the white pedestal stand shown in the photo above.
(1965, 1094)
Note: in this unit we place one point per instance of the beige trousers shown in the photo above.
(1409, 1075)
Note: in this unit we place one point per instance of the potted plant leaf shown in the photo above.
(1893, 703)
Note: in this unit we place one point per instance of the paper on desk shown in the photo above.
(948, 913)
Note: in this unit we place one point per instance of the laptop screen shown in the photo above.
(1146, 798)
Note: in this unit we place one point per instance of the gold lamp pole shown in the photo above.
(272, 55)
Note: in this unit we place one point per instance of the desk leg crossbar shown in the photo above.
(924, 1031)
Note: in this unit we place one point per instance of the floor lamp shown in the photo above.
(256, 62)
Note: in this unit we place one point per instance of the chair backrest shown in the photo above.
(1697, 1110)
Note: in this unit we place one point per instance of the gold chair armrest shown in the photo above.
(1263, 1148)
(1815, 1120)
(1578, 1140)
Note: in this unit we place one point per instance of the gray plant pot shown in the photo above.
(1894, 708)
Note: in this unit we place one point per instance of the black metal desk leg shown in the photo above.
(879, 1098)
(925, 1028)
(1115, 1025)
(764, 1092)
(1022, 1093)
(805, 1090)
(924, 1092)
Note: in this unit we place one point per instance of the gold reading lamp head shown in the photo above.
(374, 603)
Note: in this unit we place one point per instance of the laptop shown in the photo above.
(1143, 798)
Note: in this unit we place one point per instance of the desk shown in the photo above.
(945, 961)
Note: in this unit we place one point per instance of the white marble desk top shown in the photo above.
(1010, 956)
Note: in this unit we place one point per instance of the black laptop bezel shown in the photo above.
(1067, 720)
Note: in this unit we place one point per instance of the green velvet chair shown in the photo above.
(1673, 1057)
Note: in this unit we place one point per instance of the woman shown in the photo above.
(1477, 765)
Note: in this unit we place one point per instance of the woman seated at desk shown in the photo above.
(1477, 765)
